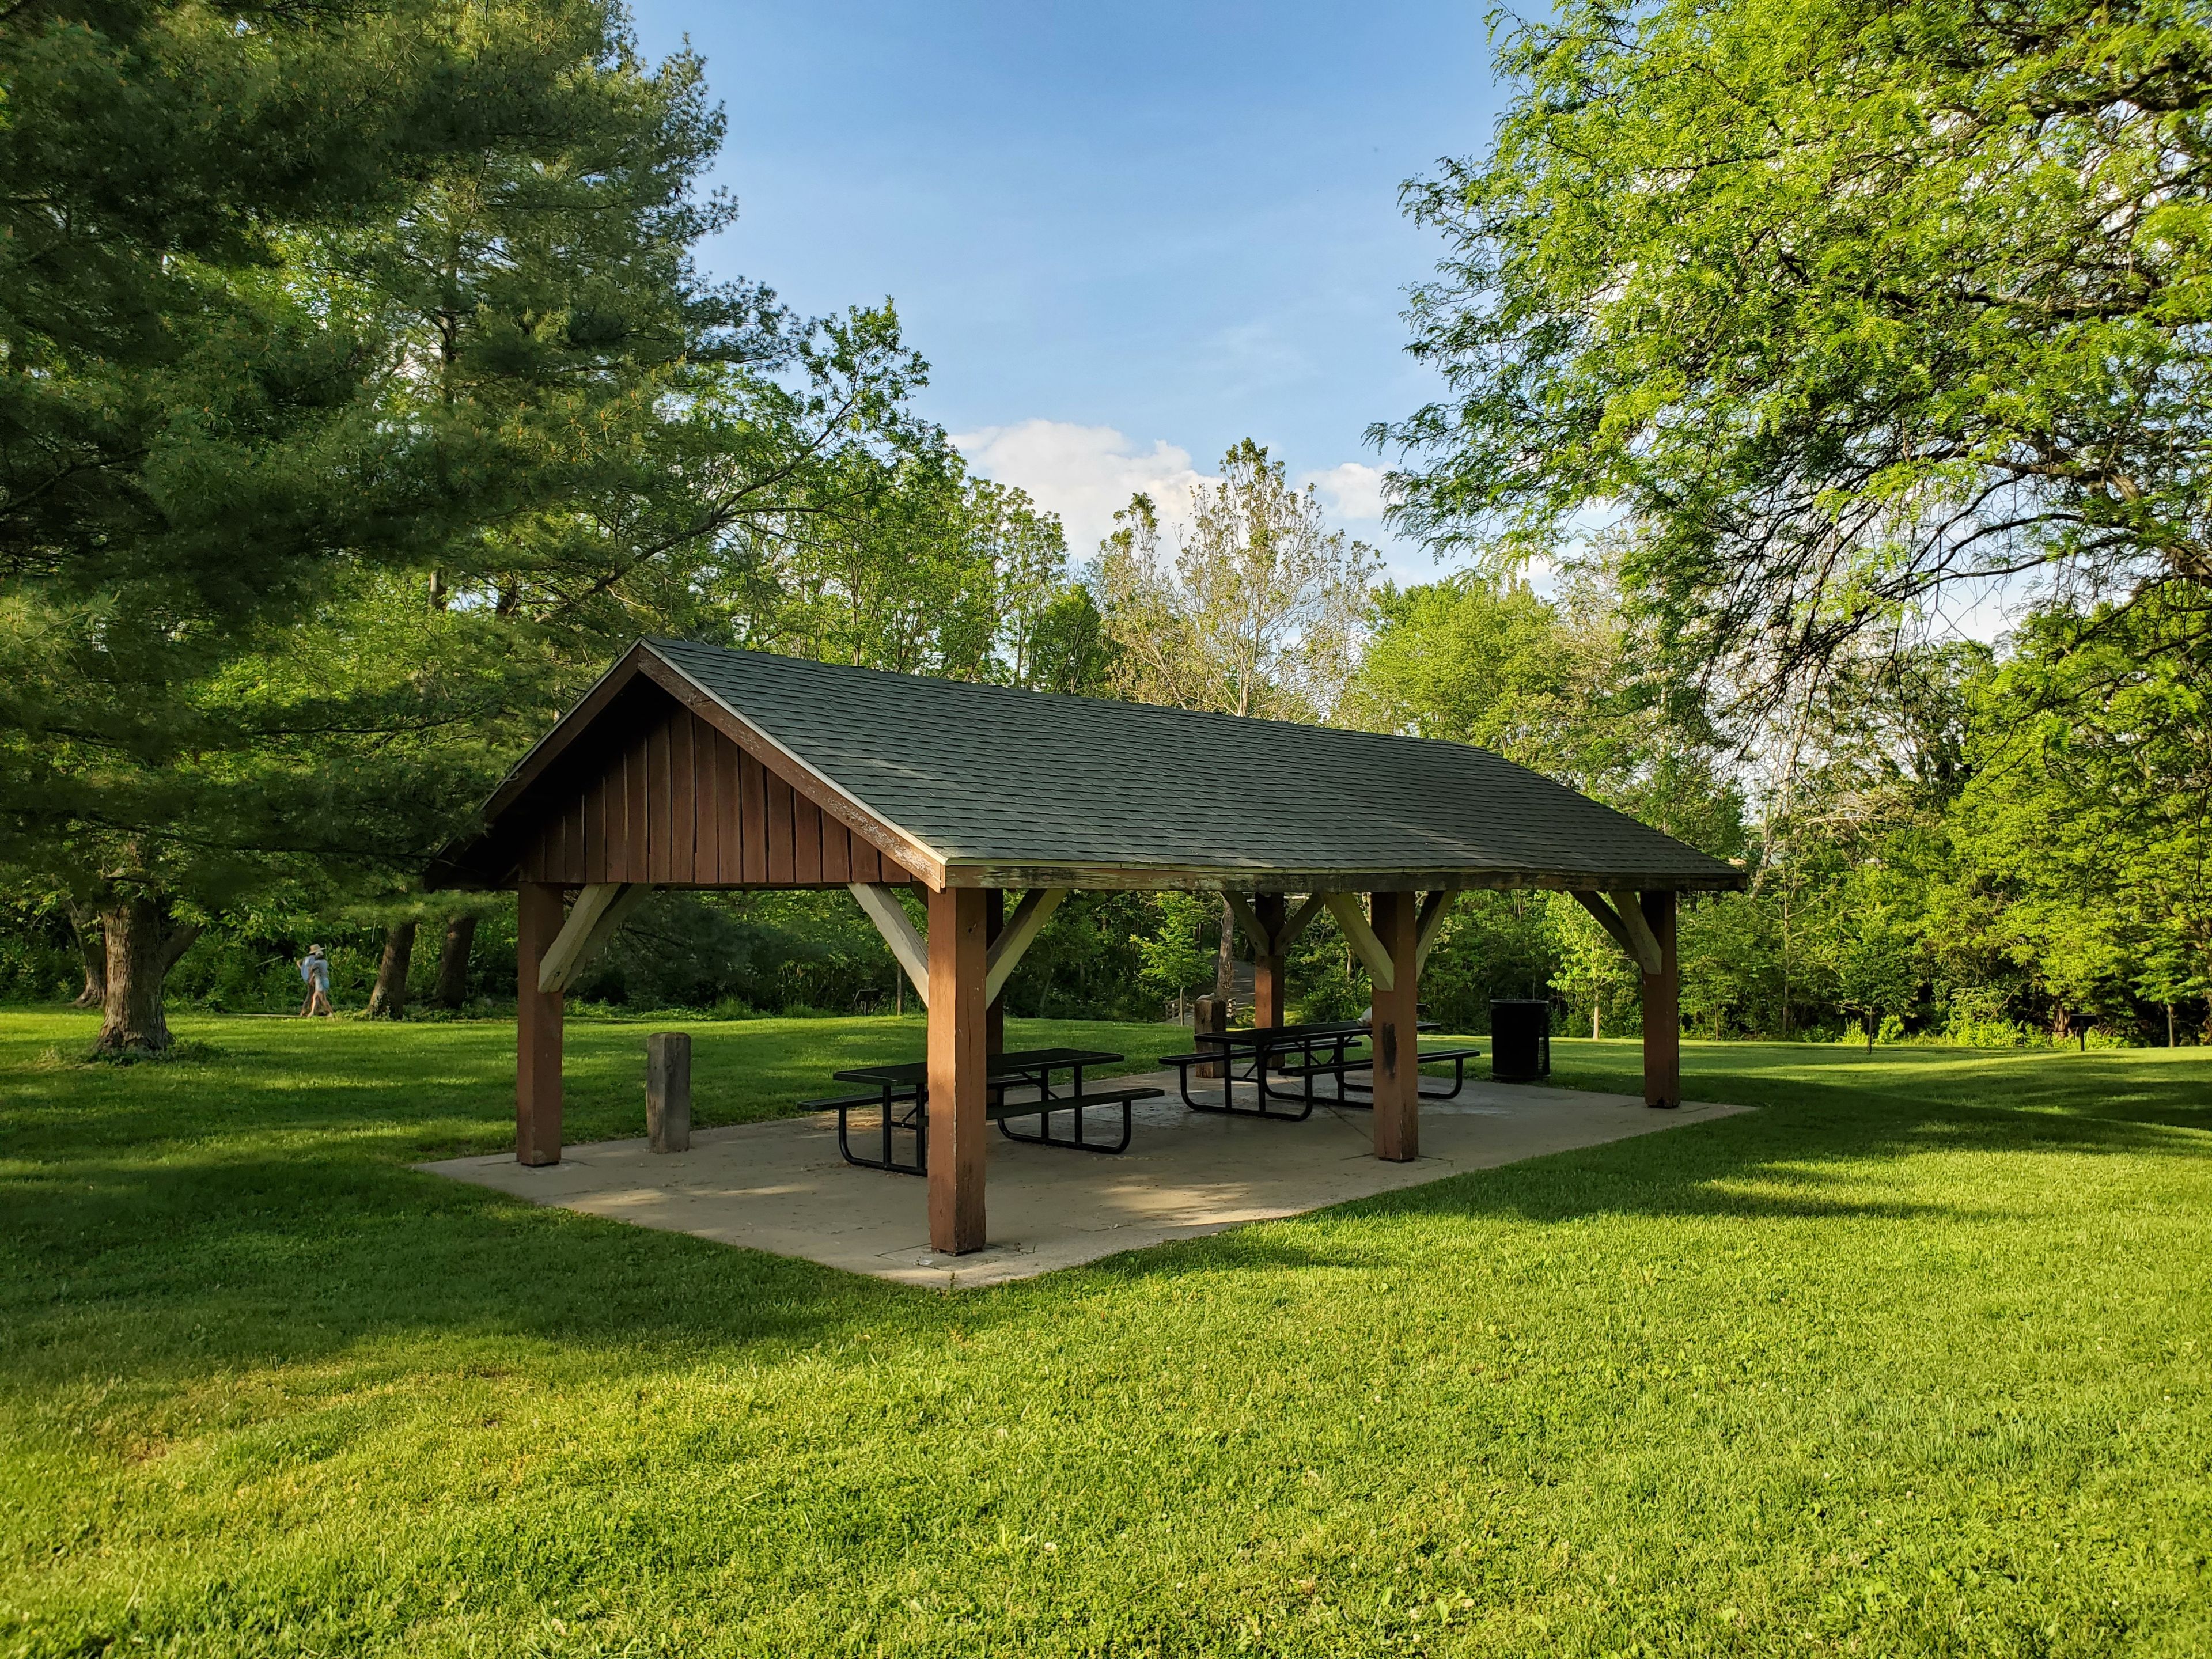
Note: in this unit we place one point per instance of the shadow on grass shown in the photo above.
(213, 1225)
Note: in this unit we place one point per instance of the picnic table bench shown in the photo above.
(1019, 1085)
(1322, 1050)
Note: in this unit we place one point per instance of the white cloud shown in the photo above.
(1087, 473)
(1351, 491)
(1083, 473)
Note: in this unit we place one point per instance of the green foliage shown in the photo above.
(1832, 303)
(1876, 977)
(1256, 611)
(1492, 944)
(1178, 956)
(2088, 820)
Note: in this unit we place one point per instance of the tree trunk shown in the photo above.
(452, 989)
(389, 998)
(91, 945)
(143, 942)
(1597, 1012)
(2169, 1025)
(1224, 964)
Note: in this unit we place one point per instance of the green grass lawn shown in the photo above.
(1911, 1361)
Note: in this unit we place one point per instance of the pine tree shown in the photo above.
(211, 451)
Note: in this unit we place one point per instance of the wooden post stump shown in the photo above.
(1212, 1017)
(668, 1091)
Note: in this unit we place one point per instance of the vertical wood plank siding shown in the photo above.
(681, 805)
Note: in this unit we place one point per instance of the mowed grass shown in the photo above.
(1913, 1360)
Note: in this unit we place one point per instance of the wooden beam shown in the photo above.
(1020, 875)
(957, 1079)
(1360, 935)
(1006, 950)
(1263, 943)
(1270, 983)
(1642, 944)
(1301, 918)
(995, 926)
(598, 911)
(536, 1029)
(1272, 941)
(881, 905)
(1395, 1033)
(1662, 1004)
(1431, 923)
(1605, 917)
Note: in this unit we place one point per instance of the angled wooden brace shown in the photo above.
(1020, 932)
(881, 905)
(1431, 925)
(1248, 920)
(1643, 943)
(1359, 934)
(1626, 925)
(599, 909)
(1298, 921)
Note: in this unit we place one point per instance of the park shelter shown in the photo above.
(692, 766)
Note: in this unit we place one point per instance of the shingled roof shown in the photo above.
(995, 786)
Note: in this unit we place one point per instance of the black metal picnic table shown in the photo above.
(1320, 1049)
(1019, 1085)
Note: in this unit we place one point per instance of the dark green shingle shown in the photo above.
(986, 775)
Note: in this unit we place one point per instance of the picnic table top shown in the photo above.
(1253, 1035)
(1026, 1060)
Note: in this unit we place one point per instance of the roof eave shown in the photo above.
(1245, 879)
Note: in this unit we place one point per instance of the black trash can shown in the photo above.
(1520, 1041)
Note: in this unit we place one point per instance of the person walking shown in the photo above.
(315, 970)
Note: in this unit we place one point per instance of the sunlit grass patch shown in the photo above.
(1912, 1360)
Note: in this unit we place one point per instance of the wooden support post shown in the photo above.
(1396, 922)
(537, 1028)
(1270, 988)
(668, 1091)
(994, 923)
(957, 1056)
(1269, 994)
(1663, 1006)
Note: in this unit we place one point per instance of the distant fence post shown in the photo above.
(668, 1091)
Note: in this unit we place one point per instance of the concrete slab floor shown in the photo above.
(781, 1187)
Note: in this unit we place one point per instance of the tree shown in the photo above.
(1472, 660)
(1875, 964)
(2087, 822)
(213, 446)
(1175, 959)
(1257, 613)
(1833, 305)
(1258, 610)
(1567, 688)
(1593, 971)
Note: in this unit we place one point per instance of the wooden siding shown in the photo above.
(678, 803)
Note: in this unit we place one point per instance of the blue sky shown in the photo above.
(1124, 236)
